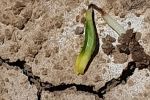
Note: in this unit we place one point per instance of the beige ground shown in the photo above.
(42, 33)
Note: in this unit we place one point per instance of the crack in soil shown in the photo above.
(46, 86)
(122, 79)
(129, 45)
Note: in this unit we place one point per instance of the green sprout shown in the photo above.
(90, 37)
(89, 44)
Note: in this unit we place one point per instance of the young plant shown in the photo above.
(89, 44)
(109, 20)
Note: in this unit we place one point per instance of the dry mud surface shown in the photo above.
(40, 40)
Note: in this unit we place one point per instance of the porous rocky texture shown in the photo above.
(122, 7)
(119, 58)
(14, 85)
(67, 95)
(38, 37)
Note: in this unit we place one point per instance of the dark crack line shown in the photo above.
(39, 94)
(46, 86)
(122, 79)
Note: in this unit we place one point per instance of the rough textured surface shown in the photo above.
(41, 34)
(67, 95)
(107, 45)
(14, 85)
(130, 45)
(119, 58)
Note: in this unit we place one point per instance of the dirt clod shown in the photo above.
(130, 83)
(107, 45)
(77, 18)
(109, 39)
(79, 30)
(125, 39)
(119, 57)
(130, 45)
(107, 48)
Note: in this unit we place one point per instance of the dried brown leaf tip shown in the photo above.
(109, 20)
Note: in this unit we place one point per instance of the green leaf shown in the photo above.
(89, 44)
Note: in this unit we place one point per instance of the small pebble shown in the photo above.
(77, 18)
(79, 30)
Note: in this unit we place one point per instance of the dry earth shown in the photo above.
(39, 42)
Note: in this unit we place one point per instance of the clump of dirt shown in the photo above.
(79, 30)
(125, 40)
(130, 45)
(107, 45)
(119, 57)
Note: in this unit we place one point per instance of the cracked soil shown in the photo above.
(40, 40)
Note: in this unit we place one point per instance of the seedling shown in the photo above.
(89, 44)
(90, 37)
